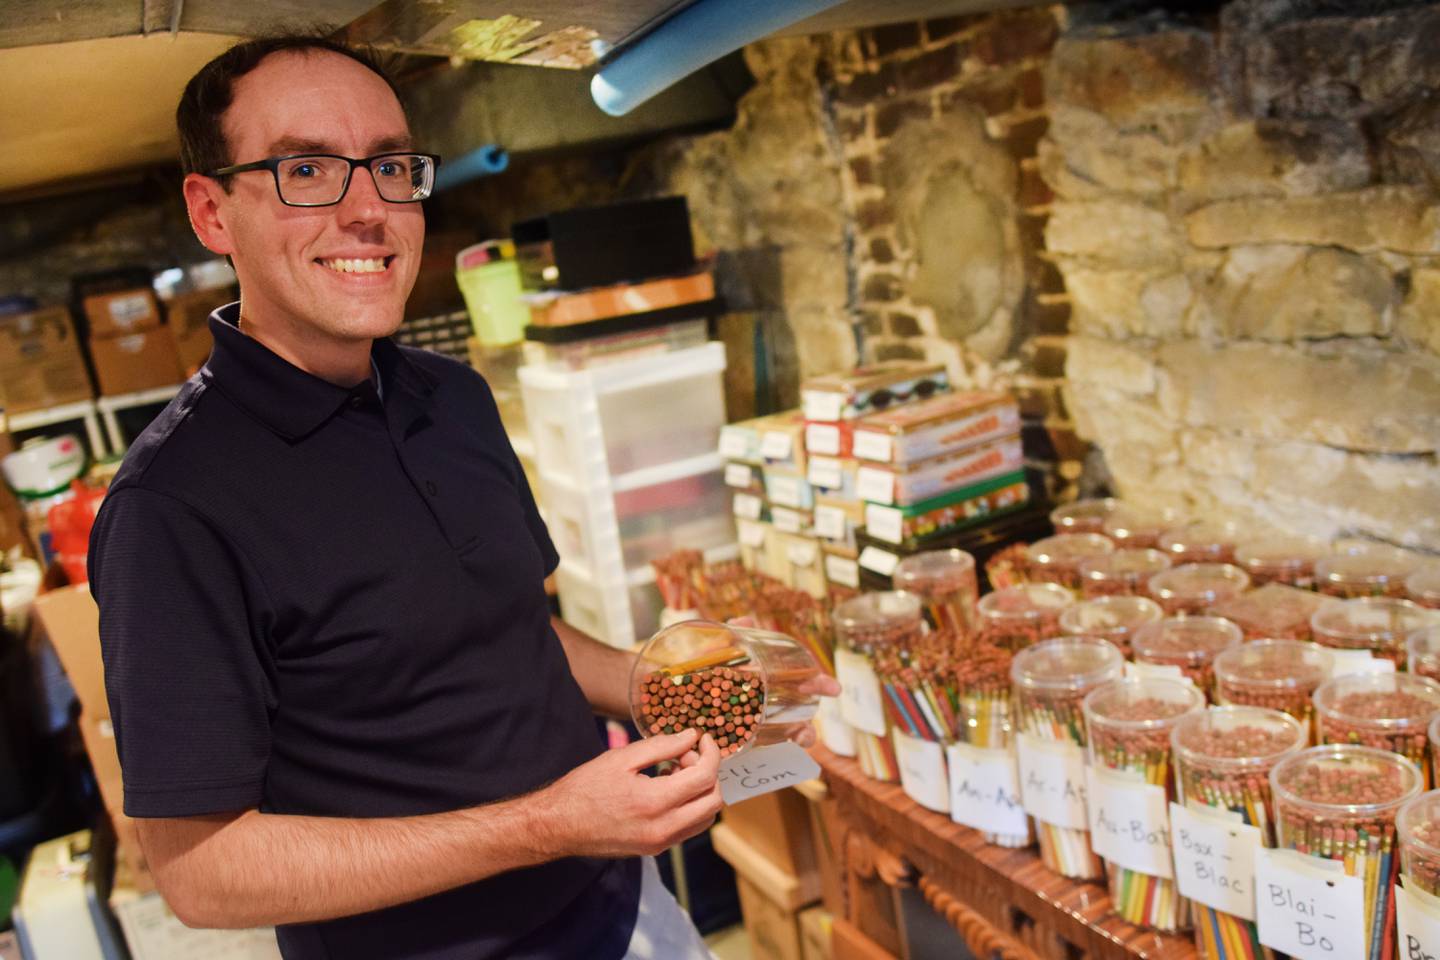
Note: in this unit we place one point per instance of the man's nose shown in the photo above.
(362, 202)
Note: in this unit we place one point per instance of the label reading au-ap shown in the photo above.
(1052, 781)
(985, 789)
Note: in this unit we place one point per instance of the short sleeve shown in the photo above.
(186, 667)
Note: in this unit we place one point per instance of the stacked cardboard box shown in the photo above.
(129, 347)
(40, 361)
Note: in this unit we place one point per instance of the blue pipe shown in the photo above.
(481, 162)
(698, 35)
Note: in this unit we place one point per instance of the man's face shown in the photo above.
(287, 258)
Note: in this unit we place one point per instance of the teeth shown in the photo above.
(372, 265)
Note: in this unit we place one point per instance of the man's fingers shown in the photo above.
(697, 778)
(648, 752)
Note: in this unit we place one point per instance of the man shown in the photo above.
(339, 701)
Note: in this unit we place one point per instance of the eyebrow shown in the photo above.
(289, 145)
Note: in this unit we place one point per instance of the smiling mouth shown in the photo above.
(351, 265)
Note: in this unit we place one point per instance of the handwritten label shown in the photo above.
(860, 702)
(826, 472)
(922, 772)
(884, 523)
(1129, 824)
(775, 445)
(832, 523)
(985, 789)
(739, 475)
(1052, 781)
(875, 485)
(842, 570)
(1349, 663)
(822, 404)
(1307, 907)
(872, 446)
(880, 561)
(734, 444)
(822, 438)
(752, 534)
(1417, 915)
(765, 770)
(787, 491)
(1144, 671)
(787, 521)
(748, 506)
(835, 733)
(1215, 858)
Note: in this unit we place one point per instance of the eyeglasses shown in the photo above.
(883, 397)
(321, 179)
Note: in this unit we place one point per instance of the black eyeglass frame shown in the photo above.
(273, 165)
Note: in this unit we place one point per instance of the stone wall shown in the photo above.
(1246, 220)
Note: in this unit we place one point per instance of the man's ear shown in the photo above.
(203, 199)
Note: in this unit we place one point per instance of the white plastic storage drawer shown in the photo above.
(624, 417)
(619, 614)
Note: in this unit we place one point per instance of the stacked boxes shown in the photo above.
(129, 347)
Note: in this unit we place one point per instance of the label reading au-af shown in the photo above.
(1129, 824)
(1215, 858)
(1052, 780)
(1307, 907)
(860, 694)
(985, 789)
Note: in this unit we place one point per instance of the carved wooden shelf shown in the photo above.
(1002, 901)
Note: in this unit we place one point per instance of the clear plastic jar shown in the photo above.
(1190, 643)
(1287, 560)
(1377, 624)
(744, 686)
(1204, 541)
(1057, 559)
(1418, 824)
(1129, 724)
(979, 687)
(1273, 611)
(1327, 799)
(1123, 573)
(1374, 571)
(1013, 618)
(1194, 588)
(1050, 681)
(946, 583)
(1110, 618)
(1433, 732)
(1423, 586)
(1084, 516)
(1138, 528)
(885, 628)
(1422, 652)
(1386, 711)
(1275, 674)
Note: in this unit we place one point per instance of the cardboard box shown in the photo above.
(120, 313)
(139, 361)
(774, 932)
(40, 361)
(777, 827)
(70, 620)
(188, 317)
(771, 898)
(99, 738)
(815, 925)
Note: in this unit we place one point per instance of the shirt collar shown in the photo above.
(285, 398)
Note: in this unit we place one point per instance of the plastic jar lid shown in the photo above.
(1071, 664)
(1110, 616)
(1212, 738)
(1120, 706)
(1274, 665)
(1369, 622)
(884, 618)
(1300, 774)
(1068, 548)
(1420, 698)
(1418, 825)
(1130, 566)
(1372, 568)
(1279, 554)
(1199, 582)
(1026, 601)
(1423, 586)
(935, 567)
(1202, 537)
(1084, 516)
(1130, 524)
(1194, 639)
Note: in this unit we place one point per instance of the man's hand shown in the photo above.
(609, 808)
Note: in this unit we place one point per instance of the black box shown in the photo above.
(600, 246)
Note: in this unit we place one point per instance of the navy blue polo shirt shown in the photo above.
(315, 602)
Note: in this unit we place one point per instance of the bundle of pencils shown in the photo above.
(946, 584)
(1223, 759)
(1050, 681)
(1130, 722)
(1013, 618)
(679, 577)
(1006, 567)
(1115, 619)
(1278, 674)
(1123, 573)
(880, 626)
(801, 617)
(1385, 711)
(1190, 643)
(727, 590)
(916, 699)
(1340, 803)
(979, 688)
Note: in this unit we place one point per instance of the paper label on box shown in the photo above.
(842, 570)
(803, 554)
(922, 771)
(1215, 858)
(734, 444)
(1052, 780)
(822, 438)
(739, 475)
(869, 445)
(826, 472)
(879, 561)
(128, 311)
(875, 485)
(835, 733)
(860, 697)
(775, 445)
(885, 523)
(765, 770)
(985, 789)
(752, 533)
(1347, 663)
(822, 404)
(832, 523)
(1307, 907)
(1144, 671)
(785, 490)
(1417, 916)
(787, 521)
(1129, 824)
(748, 506)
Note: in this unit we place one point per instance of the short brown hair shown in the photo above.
(209, 93)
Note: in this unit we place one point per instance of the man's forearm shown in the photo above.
(602, 671)
(260, 869)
